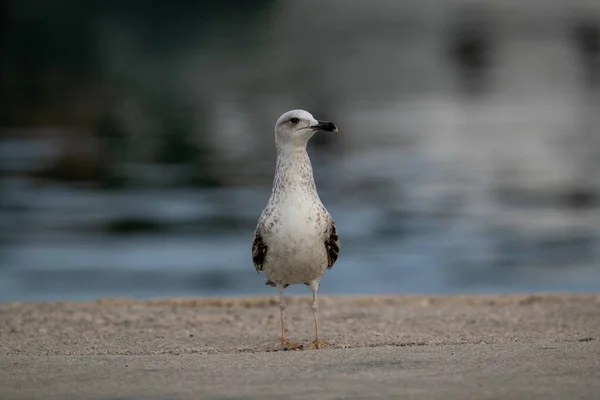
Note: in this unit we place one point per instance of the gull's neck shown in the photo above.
(293, 172)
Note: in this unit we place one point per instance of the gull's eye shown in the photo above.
(294, 120)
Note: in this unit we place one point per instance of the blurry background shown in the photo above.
(137, 152)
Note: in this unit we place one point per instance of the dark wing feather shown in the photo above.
(259, 251)
(332, 245)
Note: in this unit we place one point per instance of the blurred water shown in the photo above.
(61, 244)
(467, 158)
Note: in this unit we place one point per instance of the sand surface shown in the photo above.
(542, 346)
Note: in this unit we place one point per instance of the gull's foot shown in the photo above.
(317, 344)
(287, 345)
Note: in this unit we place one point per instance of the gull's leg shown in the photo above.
(287, 344)
(318, 343)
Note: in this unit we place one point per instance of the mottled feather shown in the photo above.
(259, 251)
(332, 244)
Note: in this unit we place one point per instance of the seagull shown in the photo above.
(295, 240)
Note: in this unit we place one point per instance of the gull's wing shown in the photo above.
(332, 245)
(259, 250)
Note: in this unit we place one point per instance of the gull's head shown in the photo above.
(294, 128)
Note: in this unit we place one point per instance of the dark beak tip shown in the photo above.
(327, 126)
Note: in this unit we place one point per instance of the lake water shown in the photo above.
(66, 244)
(444, 178)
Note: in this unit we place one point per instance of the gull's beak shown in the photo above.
(325, 126)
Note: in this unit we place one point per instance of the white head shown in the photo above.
(294, 128)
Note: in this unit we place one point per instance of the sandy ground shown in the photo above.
(545, 346)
